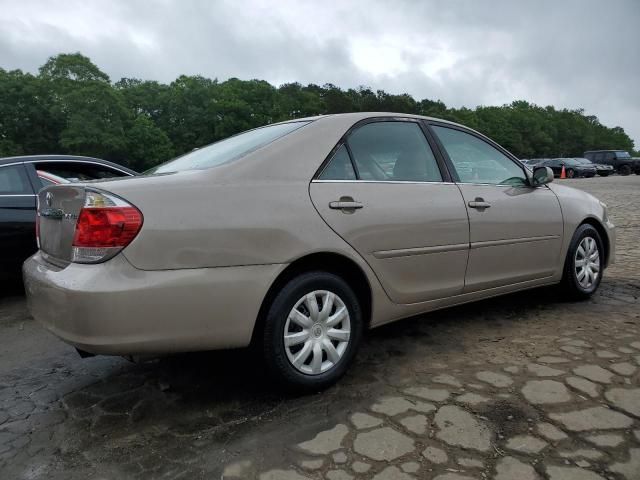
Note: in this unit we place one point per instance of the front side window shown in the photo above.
(393, 151)
(14, 181)
(475, 161)
(228, 149)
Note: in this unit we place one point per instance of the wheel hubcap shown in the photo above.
(587, 262)
(317, 332)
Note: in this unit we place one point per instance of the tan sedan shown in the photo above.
(298, 236)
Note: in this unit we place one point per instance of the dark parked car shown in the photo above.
(572, 167)
(20, 180)
(531, 163)
(601, 169)
(620, 160)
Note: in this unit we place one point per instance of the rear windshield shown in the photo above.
(228, 149)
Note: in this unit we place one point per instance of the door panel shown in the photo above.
(17, 219)
(515, 229)
(517, 238)
(414, 236)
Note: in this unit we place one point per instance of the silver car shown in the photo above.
(298, 236)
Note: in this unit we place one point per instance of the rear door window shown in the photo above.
(14, 180)
(393, 151)
(339, 167)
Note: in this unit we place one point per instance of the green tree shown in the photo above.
(72, 107)
(97, 119)
(146, 145)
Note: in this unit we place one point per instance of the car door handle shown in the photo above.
(345, 203)
(479, 203)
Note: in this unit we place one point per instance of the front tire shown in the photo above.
(312, 331)
(584, 263)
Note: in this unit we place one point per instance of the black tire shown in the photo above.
(273, 348)
(570, 283)
(570, 173)
(624, 170)
(604, 174)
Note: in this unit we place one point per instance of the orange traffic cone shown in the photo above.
(563, 174)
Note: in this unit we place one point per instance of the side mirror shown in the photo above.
(542, 176)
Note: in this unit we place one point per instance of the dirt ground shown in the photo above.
(526, 386)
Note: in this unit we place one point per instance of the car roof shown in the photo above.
(598, 151)
(64, 158)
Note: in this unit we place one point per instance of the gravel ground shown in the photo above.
(526, 386)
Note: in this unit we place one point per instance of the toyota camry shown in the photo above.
(299, 236)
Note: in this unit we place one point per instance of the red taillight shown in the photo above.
(106, 224)
(107, 227)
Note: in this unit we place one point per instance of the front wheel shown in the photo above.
(584, 263)
(312, 331)
(604, 174)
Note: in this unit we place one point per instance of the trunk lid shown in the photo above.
(59, 207)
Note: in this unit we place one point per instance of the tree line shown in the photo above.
(72, 107)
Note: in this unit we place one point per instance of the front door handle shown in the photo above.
(479, 203)
(346, 204)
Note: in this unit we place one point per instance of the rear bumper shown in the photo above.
(114, 308)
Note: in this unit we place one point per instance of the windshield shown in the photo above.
(228, 149)
(583, 161)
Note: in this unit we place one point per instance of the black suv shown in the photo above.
(620, 160)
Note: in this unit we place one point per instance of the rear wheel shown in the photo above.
(570, 173)
(584, 263)
(604, 174)
(312, 331)
(624, 170)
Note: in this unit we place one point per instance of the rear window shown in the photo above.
(228, 149)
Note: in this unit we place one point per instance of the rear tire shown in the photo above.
(624, 170)
(320, 345)
(584, 263)
(570, 173)
(604, 174)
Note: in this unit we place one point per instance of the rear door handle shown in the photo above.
(343, 205)
(479, 203)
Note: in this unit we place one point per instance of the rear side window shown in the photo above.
(14, 181)
(339, 167)
(599, 157)
(393, 151)
(227, 150)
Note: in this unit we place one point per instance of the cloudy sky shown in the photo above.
(567, 53)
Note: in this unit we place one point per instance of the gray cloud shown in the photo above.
(572, 53)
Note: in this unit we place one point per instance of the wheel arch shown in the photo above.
(595, 223)
(331, 262)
